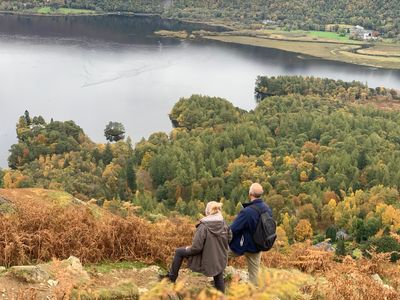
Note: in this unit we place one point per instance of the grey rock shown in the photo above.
(325, 246)
(236, 273)
(52, 283)
(45, 274)
(74, 268)
(142, 291)
(151, 269)
(341, 234)
(29, 274)
(379, 280)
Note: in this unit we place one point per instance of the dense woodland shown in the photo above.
(324, 87)
(383, 16)
(58, 155)
(326, 160)
(298, 14)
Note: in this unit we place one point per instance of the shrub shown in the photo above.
(388, 244)
(37, 233)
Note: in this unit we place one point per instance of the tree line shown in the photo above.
(307, 86)
(326, 164)
(383, 16)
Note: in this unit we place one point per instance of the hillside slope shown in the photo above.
(317, 146)
(41, 197)
(39, 225)
(45, 225)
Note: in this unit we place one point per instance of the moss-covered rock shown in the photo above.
(29, 274)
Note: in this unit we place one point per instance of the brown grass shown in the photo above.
(38, 233)
(350, 279)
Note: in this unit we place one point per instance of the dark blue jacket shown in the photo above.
(244, 226)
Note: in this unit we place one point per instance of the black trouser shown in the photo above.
(182, 253)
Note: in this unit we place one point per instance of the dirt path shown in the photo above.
(11, 289)
(144, 279)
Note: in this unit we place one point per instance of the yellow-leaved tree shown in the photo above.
(389, 215)
(303, 230)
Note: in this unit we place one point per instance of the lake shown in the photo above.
(112, 68)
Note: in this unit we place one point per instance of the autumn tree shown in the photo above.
(27, 118)
(114, 131)
(1, 178)
(340, 247)
(317, 157)
(130, 167)
(303, 231)
(107, 155)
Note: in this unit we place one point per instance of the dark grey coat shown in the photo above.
(209, 250)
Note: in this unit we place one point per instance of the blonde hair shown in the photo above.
(213, 208)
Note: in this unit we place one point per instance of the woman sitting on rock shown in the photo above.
(208, 253)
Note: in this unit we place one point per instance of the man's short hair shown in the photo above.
(256, 190)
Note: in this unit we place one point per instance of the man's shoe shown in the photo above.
(164, 276)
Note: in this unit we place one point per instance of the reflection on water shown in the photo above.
(93, 70)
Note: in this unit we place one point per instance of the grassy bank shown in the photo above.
(301, 35)
(385, 50)
(344, 52)
(64, 11)
(49, 11)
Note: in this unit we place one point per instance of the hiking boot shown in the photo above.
(164, 276)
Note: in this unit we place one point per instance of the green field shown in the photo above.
(44, 10)
(327, 35)
(74, 11)
(302, 35)
(63, 11)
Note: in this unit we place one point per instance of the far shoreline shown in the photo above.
(344, 52)
(92, 14)
(121, 14)
(269, 43)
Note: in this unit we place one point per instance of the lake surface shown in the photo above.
(112, 68)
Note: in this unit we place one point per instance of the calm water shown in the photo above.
(93, 70)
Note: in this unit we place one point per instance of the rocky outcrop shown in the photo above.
(71, 268)
(379, 280)
(29, 274)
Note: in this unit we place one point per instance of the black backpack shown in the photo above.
(265, 234)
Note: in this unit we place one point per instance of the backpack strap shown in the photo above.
(256, 208)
